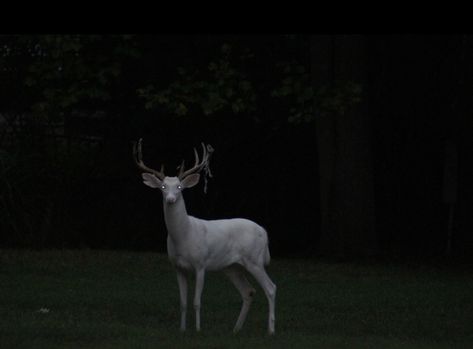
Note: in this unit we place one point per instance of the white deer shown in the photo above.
(197, 245)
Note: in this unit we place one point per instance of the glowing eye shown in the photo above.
(179, 187)
(163, 187)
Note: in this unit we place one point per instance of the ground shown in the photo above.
(110, 299)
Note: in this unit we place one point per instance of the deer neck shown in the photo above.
(177, 220)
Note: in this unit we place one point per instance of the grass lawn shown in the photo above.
(105, 299)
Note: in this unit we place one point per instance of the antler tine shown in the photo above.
(198, 165)
(138, 157)
(196, 156)
(181, 168)
(204, 149)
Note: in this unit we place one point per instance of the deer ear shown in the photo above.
(190, 180)
(151, 180)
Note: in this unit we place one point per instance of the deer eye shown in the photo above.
(163, 187)
(179, 187)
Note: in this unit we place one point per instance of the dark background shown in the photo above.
(389, 175)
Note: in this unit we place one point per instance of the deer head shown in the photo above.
(172, 187)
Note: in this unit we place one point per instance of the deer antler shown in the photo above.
(207, 153)
(138, 157)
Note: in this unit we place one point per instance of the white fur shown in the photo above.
(197, 245)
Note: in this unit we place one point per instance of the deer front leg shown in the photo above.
(182, 282)
(199, 285)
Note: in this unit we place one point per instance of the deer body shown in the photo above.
(196, 245)
(217, 244)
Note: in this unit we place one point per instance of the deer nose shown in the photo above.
(170, 199)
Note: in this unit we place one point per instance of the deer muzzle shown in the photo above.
(171, 199)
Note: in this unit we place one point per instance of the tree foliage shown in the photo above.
(60, 73)
(216, 87)
(55, 74)
(226, 84)
(47, 80)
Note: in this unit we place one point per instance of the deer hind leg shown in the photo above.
(269, 289)
(238, 279)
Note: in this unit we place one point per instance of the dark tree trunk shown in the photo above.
(345, 153)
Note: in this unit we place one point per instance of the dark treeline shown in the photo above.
(375, 183)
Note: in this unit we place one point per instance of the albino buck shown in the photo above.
(197, 245)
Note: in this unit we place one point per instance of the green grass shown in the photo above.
(103, 299)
